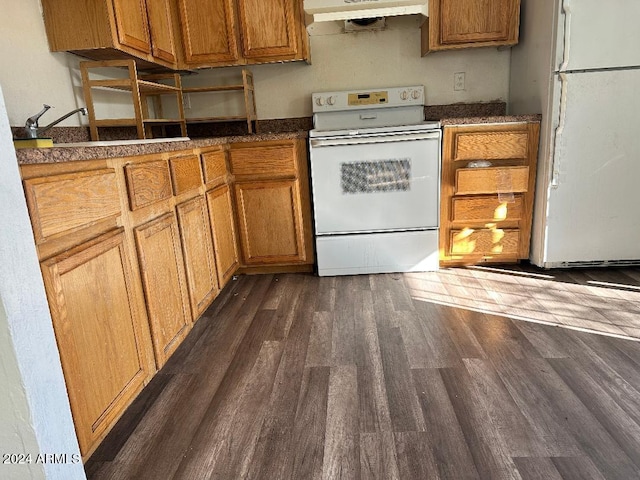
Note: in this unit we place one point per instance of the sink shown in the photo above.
(111, 143)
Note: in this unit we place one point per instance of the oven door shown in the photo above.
(376, 183)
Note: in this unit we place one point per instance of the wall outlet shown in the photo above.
(458, 81)
(186, 100)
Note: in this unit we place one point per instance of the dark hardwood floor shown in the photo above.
(364, 377)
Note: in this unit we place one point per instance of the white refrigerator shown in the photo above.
(578, 64)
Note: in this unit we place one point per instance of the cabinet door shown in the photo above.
(197, 248)
(270, 222)
(469, 21)
(100, 329)
(268, 28)
(132, 24)
(224, 233)
(208, 31)
(164, 283)
(160, 26)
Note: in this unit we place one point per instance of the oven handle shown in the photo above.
(373, 139)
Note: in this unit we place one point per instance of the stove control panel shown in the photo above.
(364, 99)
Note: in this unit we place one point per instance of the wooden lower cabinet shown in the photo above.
(197, 248)
(99, 324)
(486, 208)
(165, 288)
(270, 222)
(224, 233)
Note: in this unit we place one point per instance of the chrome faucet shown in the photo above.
(32, 129)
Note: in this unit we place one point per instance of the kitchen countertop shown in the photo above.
(490, 119)
(77, 153)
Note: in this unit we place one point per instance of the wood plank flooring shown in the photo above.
(375, 377)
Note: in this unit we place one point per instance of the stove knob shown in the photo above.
(331, 100)
(415, 94)
(319, 101)
(404, 95)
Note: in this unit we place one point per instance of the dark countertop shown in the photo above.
(68, 154)
(490, 119)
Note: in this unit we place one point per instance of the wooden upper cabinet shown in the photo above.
(160, 26)
(208, 32)
(112, 29)
(132, 24)
(237, 32)
(268, 28)
(454, 24)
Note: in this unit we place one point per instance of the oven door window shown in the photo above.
(393, 175)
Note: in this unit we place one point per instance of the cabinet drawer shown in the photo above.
(64, 203)
(147, 183)
(490, 145)
(492, 180)
(215, 167)
(274, 161)
(485, 242)
(485, 209)
(185, 173)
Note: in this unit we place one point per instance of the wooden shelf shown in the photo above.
(142, 88)
(249, 101)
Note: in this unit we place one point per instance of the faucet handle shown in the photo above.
(33, 120)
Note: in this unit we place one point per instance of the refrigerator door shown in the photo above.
(592, 210)
(595, 34)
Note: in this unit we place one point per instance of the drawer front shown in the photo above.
(486, 242)
(64, 203)
(147, 183)
(275, 161)
(485, 209)
(492, 180)
(215, 167)
(186, 173)
(490, 145)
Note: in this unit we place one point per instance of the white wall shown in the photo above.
(31, 75)
(34, 408)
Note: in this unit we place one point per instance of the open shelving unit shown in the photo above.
(142, 88)
(249, 101)
(149, 89)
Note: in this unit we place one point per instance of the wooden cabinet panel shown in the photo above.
(490, 146)
(208, 32)
(268, 28)
(486, 208)
(161, 30)
(132, 24)
(263, 161)
(470, 23)
(485, 212)
(270, 222)
(98, 322)
(61, 204)
(485, 242)
(214, 163)
(197, 247)
(224, 233)
(147, 183)
(162, 268)
(186, 173)
(492, 180)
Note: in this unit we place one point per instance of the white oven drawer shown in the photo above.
(360, 185)
(378, 253)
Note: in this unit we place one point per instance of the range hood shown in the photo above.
(332, 10)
